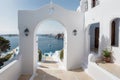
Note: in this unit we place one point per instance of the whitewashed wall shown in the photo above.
(104, 13)
(74, 45)
(12, 71)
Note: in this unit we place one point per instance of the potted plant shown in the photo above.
(107, 55)
(39, 55)
(61, 54)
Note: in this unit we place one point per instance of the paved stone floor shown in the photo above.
(49, 70)
(112, 68)
(24, 77)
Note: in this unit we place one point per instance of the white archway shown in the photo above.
(71, 20)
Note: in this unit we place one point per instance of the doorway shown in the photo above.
(94, 37)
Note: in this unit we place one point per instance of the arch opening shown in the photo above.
(50, 36)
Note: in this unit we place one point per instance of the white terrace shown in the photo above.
(96, 24)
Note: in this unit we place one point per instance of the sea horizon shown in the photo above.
(46, 43)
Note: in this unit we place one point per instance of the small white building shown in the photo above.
(96, 24)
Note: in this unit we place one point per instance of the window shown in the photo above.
(115, 32)
(95, 3)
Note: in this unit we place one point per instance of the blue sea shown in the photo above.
(45, 43)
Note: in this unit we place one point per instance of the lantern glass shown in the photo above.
(74, 32)
(26, 31)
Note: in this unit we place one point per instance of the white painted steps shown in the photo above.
(99, 73)
(111, 67)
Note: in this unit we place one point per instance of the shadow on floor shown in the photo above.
(25, 77)
(77, 70)
(48, 61)
(42, 75)
(43, 66)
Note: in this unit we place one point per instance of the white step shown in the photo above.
(99, 73)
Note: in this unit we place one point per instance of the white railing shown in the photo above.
(11, 71)
(56, 57)
(13, 57)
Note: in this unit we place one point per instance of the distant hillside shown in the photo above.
(59, 36)
(9, 35)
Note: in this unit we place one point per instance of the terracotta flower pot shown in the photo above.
(107, 59)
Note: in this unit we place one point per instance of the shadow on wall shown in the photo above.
(104, 43)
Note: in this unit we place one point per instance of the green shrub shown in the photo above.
(40, 55)
(61, 54)
(106, 53)
(2, 60)
(6, 58)
(4, 45)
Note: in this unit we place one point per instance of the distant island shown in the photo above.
(57, 36)
(9, 34)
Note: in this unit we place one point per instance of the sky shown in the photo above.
(9, 10)
(50, 27)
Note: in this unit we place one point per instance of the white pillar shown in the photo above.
(28, 53)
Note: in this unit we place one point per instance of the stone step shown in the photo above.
(112, 68)
(97, 72)
(48, 74)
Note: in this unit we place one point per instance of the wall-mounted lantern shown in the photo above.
(26, 32)
(74, 32)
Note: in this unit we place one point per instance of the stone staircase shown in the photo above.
(103, 71)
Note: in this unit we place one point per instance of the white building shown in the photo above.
(97, 25)
(102, 21)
